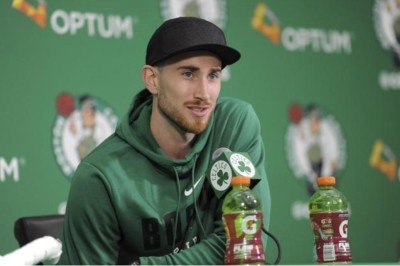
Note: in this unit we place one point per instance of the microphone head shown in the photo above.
(218, 152)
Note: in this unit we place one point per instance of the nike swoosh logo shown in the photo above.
(188, 192)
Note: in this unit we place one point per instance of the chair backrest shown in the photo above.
(27, 229)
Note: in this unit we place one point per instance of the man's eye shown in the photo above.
(214, 75)
(187, 74)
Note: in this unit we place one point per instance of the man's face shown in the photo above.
(88, 117)
(188, 90)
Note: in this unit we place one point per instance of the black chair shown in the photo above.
(27, 229)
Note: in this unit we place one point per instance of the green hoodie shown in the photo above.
(129, 202)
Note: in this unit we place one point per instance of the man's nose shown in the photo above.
(202, 90)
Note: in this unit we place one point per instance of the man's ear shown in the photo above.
(149, 77)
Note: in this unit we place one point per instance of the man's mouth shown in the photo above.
(199, 111)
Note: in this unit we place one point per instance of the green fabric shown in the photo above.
(127, 199)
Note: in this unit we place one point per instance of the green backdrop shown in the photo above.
(338, 56)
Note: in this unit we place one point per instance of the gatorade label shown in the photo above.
(330, 234)
(244, 244)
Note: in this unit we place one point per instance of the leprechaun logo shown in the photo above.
(387, 26)
(211, 10)
(314, 144)
(81, 124)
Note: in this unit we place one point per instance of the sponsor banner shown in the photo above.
(384, 160)
(72, 22)
(10, 168)
(299, 39)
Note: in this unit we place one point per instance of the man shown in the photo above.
(142, 196)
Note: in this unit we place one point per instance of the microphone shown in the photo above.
(227, 164)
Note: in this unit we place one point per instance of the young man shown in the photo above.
(142, 196)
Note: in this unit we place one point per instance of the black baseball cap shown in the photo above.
(185, 34)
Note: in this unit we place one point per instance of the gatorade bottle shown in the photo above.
(243, 221)
(329, 214)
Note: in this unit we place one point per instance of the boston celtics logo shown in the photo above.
(81, 124)
(387, 26)
(242, 165)
(221, 175)
(211, 10)
(314, 144)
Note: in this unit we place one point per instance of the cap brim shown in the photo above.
(227, 54)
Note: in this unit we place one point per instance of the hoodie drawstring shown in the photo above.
(177, 207)
(196, 212)
(195, 215)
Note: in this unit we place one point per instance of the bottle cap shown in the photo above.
(240, 180)
(326, 180)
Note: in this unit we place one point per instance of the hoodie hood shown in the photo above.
(134, 129)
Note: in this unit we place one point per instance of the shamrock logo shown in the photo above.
(222, 177)
(242, 164)
(243, 168)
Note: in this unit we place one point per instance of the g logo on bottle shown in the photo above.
(249, 224)
(343, 228)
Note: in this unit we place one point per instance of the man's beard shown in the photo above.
(168, 110)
